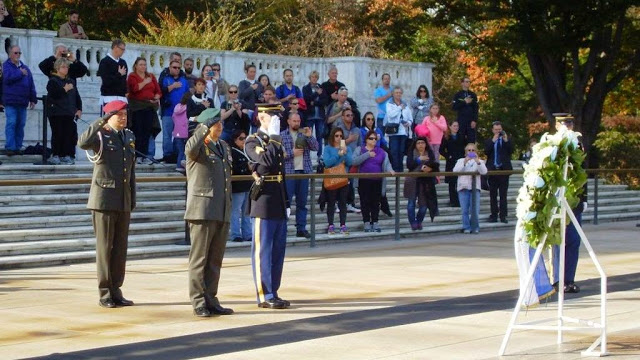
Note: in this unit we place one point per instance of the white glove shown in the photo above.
(274, 126)
(585, 206)
(288, 213)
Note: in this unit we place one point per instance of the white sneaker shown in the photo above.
(146, 161)
(67, 160)
(54, 160)
(353, 209)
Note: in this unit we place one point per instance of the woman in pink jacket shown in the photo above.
(180, 129)
(437, 126)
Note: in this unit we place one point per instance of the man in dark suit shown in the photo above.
(269, 209)
(208, 211)
(498, 150)
(112, 197)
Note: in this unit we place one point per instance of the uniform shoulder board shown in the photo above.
(126, 129)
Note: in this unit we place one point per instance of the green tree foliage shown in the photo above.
(619, 145)
(229, 31)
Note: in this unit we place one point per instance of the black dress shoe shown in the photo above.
(272, 304)
(571, 288)
(219, 310)
(492, 219)
(285, 302)
(304, 233)
(504, 221)
(123, 302)
(202, 312)
(107, 303)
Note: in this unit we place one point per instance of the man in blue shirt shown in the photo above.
(382, 94)
(174, 86)
(287, 91)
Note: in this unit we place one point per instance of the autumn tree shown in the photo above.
(577, 51)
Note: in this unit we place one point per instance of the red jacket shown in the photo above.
(147, 92)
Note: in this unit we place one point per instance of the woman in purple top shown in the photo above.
(370, 158)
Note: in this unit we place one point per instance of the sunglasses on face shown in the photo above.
(175, 67)
(233, 92)
(17, 53)
(337, 135)
(216, 69)
(372, 138)
(369, 118)
(294, 103)
(423, 90)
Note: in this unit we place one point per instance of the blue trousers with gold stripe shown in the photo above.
(267, 255)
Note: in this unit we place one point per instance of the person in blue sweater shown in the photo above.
(19, 92)
(174, 86)
(335, 153)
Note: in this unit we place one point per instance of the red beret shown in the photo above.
(115, 105)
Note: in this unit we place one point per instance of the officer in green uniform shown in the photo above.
(112, 197)
(208, 211)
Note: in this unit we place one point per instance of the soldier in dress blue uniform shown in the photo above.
(269, 209)
(112, 197)
(208, 211)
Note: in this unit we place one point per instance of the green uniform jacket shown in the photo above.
(208, 178)
(113, 187)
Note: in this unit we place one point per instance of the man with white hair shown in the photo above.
(76, 70)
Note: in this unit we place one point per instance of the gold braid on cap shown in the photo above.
(268, 108)
(562, 117)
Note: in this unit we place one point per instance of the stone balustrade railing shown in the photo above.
(360, 75)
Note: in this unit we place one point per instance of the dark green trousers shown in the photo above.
(112, 233)
(208, 243)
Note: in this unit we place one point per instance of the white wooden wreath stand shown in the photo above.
(561, 319)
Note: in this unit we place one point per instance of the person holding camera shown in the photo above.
(465, 103)
(234, 115)
(470, 209)
(76, 68)
(64, 107)
(498, 150)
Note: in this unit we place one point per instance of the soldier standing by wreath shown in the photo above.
(208, 211)
(112, 197)
(269, 208)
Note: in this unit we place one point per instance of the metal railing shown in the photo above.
(315, 177)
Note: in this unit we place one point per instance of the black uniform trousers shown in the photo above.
(498, 185)
(112, 232)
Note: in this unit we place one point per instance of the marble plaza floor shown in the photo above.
(440, 297)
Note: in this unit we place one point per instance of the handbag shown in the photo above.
(391, 129)
(335, 183)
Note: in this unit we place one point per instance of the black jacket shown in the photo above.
(194, 109)
(76, 70)
(240, 167)
(313, 100)
(61, 102)
(504, 154)
(452, 149)
(113, 83)
(466, 112)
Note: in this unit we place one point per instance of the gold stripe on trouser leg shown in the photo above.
(256, 258)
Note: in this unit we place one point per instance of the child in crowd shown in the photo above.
(180, 130)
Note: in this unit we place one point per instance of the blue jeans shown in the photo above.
(319, 125)
(380, 122)
(240, 221)
(571, 251)
(167, 129)
(397, 144)
(14, 128)
(411, 211)
(152, 147)
(299, 188)
(178, 145)
(469, 216)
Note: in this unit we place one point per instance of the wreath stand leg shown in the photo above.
(561, 319)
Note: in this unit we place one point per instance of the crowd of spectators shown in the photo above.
(321, 119)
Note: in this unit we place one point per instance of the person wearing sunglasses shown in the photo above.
(234, 114)
(173, 86)
(19, 92)
(335, 153)
(470, 205)
(369, 123)
(370, 158)
(420, 105)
